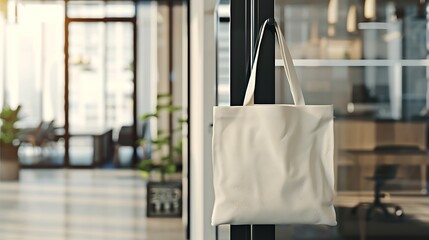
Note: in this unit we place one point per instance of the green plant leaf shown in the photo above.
(178, 149)
(174, 108)
(161, 107)
(161, 141)
(146, 165)
(8, 131)
(149, 115)
(164, 95)
(182, 120)
(144, 174)
(170, 168)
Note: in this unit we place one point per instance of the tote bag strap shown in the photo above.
(288, 66)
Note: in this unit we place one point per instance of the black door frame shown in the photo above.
(247, 17)
(68, 20)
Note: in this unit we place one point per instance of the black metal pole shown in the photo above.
(265, 87)
(239, 62)
(188, 110)
(263, 232)
(239, 50)
(247, 16)
(240, 232)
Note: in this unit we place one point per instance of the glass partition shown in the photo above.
(100, 84)
(32, 75)
(369, 59)
(100, 9)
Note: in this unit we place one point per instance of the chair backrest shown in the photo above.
(125, 137)
(50, 130)
(40, 133)
(44, 131)
(385, 171)
(144, 129)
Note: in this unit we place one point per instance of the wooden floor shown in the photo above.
(80, 205)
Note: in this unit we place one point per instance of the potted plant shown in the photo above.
(9, 163)
(164, 196)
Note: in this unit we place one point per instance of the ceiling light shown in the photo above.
(351, 19)
(370, 9)
(333, 11)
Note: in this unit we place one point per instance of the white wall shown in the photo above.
(202, 100)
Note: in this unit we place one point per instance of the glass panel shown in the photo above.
(339, 29)
(354, 91)
(85, 9)
(155, 77)
(100, 88)
(415, 87)
(100, 9)
(86, 73)
(370, 60)
(32, 75)
(223, 95)
(119, 77)
(39, 89)
(120, 9)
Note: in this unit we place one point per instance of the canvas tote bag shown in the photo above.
(273, 164)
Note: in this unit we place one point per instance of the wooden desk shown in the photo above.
(102, 144)
(355, 141)
(366, 161)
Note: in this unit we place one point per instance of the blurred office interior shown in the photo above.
(87, 72)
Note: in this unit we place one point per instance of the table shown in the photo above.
(102, 144)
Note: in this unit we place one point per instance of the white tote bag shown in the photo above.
(273, 164)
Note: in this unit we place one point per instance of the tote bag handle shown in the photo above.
(288, 66)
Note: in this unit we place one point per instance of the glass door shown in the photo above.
(369, 59)
(101, 88)
(101, 84)
(32, 76)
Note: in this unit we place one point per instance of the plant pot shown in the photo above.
(164, 199)
(9, 162)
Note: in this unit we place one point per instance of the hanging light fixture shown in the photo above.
(352, 19)
(370, 9)
(333, 11)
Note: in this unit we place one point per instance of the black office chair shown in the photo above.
(125, 138)
(382, 174)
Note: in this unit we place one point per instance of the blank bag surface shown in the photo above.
(273, 164)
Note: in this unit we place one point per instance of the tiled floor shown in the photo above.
(81, 205)
(110, 205)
